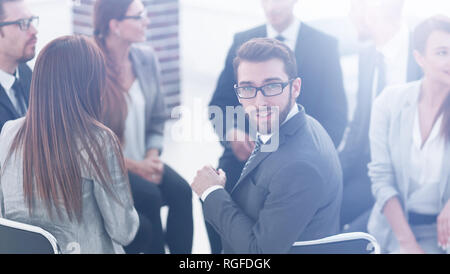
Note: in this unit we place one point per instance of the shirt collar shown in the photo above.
(394, 47)
(290, 33)
(7, 80)
(266, 137)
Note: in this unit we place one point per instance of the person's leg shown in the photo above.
(426, 237)
(177, 194)
(148, 201)
(142, 242)
(357, 199)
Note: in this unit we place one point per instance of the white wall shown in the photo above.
(55, 19)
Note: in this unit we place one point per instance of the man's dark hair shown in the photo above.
(424, 29)
(264, 49)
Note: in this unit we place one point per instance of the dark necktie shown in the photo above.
(381, 67)
(280, 38)
(20, 97)
(255, 151)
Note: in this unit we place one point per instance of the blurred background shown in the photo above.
(192, 38)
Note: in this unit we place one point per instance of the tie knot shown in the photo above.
(280, 38)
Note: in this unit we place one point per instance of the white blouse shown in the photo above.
(425, 169)
(134, 135)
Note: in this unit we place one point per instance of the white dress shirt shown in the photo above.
(134, 134)
(290, 34)
(7, 81)
(264, 138)
(425, 169)
(395, 54)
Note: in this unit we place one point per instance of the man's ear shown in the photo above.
(296, 87)
(114, 26)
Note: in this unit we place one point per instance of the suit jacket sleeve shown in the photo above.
(159, 115)
(224, 94)
(119, 215)
(292, 201)
(333, 103)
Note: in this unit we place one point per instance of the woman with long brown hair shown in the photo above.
(134, 109)
(410, 150)
(61, 169)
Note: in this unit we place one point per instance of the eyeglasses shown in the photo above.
(272, 89)
(142, 16)
(24, 24)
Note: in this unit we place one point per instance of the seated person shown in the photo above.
(61, 169)
(409, 142)
(290, 188)
(135, 110)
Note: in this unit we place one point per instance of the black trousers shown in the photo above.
(357, 201)
(174, 192)
(233, 168)
(142, 242)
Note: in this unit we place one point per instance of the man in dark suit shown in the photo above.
(318, 65)
(290, 188)
(386, 60)
(17, 46)
(322, 95)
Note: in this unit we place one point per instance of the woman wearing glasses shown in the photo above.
(60, 168)
(410, 150)
(134, 109)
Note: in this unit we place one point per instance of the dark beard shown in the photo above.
(25, 59)
(281, 116)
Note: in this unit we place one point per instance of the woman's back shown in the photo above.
(61, 168)
(104, 220)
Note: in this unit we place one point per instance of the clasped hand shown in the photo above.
(206, 178)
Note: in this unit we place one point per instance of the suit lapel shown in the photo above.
(25, 79)
(4, 101)
(140, 68)
(406, 131)
(261, 32)
(255, 162)
(289, 128)
(444, 185)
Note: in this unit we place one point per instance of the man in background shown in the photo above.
(17, 46)
(386, 59)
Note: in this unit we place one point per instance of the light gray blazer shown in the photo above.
(390, 136)
(147, 70)
(106, 224)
